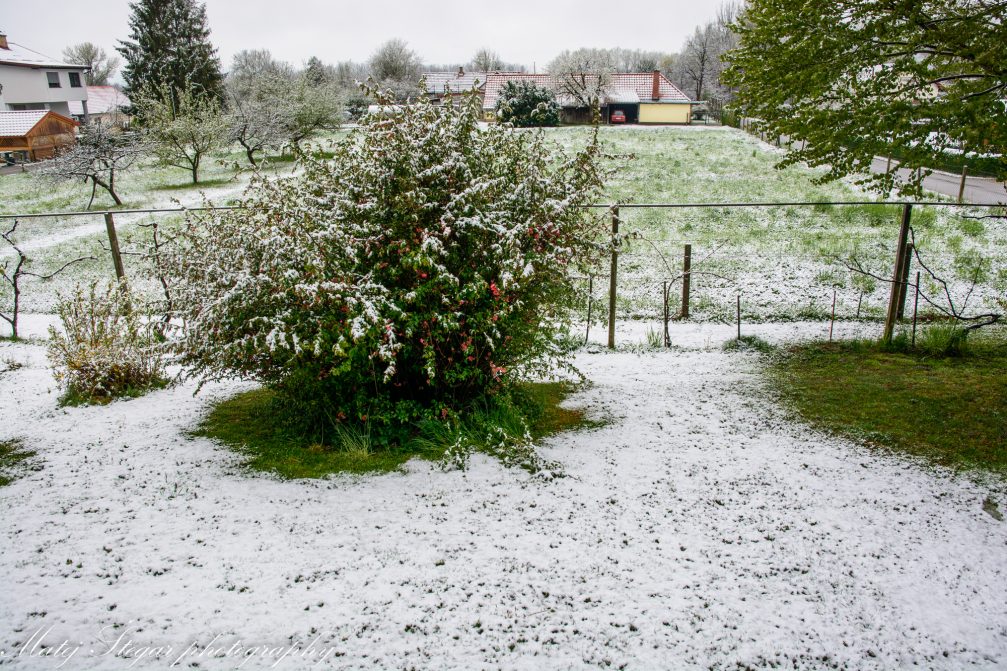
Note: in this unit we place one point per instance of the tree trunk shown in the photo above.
(108, 187)
(111, 187)
(94, 187)
(249, 152)
(195, 170)
(16, 286)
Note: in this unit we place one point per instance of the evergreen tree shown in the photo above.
(315, 72)
(169, 49)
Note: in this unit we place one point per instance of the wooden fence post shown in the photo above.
(961, 186)
(900, 252)
(666, 291)
(686, 281)
(590, 300)
(113, 244)
(612, 277)
(739, 316)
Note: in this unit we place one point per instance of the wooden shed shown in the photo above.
(36, 134)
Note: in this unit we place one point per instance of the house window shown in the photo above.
(53, 78)
(75, 80)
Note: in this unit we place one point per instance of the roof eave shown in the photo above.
(44, 66)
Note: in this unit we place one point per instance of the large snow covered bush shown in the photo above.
(422, 268)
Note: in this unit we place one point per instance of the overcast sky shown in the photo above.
(447, 31)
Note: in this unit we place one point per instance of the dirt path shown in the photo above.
(699, 529)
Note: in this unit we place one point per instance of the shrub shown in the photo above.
(105, 350)
(943, 339)
(524, 104)
(422, 268)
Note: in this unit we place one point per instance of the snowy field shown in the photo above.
(783, 261)
(700, 528)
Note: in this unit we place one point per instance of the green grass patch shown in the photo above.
(951, 410)
(202, 184)
(546, 417)
(73, 397)
(13, 460)
(291, 157)
(252, 424)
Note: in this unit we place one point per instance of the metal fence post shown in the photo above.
(612, 277)
(907, 261)
(900, 257)
(916, 306)
(113, 244)
(686, 280)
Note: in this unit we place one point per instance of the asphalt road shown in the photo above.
(978, 190)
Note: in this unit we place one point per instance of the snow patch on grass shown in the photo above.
(697, 529)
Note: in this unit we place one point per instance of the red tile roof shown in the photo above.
(625, 87)
(451, 82)
(642, 83)
(20, 123)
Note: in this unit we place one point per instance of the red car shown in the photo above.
(618, 116)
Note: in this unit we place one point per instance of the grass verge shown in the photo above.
(950, 410)
(12, 460)
(73, 397)
(249, 424)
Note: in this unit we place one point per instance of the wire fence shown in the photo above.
(782, 261)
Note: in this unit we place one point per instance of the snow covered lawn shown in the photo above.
(698, 529)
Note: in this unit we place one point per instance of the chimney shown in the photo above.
(461, 71)
(3, 40)
(655, 93)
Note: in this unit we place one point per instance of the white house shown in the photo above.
(33, 81)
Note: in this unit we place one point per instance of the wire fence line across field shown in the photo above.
(785, 258)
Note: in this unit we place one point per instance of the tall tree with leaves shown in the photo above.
(100, 66)
(169, 49)
(183, 127)
(857, 79)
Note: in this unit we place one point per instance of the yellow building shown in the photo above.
(630, 97)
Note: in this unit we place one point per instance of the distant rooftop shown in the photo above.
(623, 87)
(101, 100)
(453, 82)
(18, 54)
